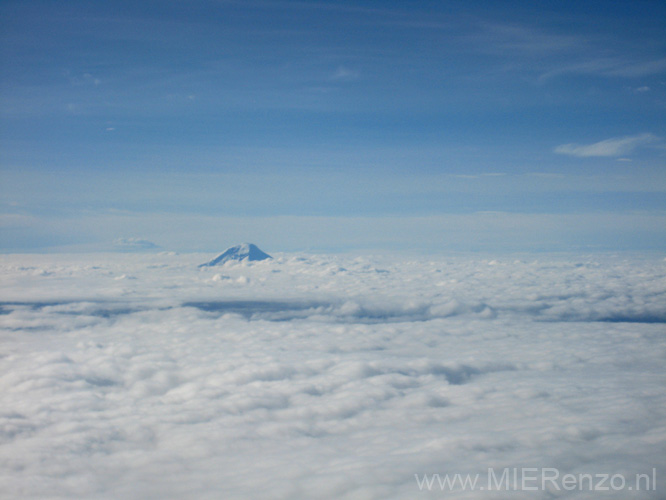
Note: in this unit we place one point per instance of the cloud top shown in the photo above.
(313, 377)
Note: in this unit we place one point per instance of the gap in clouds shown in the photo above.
(346, 311)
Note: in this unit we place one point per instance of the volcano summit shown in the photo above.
(244, 251)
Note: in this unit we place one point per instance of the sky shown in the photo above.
(332, 126)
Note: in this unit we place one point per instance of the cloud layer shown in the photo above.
(141, 376)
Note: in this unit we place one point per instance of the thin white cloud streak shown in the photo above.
(616, 146)
(609, 67)
(345, 74)
(525, 40)
(8, 221)
(565, 54)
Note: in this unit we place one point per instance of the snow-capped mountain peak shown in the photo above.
(244, 251)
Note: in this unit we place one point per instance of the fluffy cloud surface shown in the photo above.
(140, 376)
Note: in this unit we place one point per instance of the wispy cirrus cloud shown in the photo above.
(621, 67)
(345, 74)
(548, 53)
(616, 146)
(515, 39)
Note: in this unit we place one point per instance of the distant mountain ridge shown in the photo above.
(244, 251)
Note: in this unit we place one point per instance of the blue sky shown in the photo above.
(342, 125)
